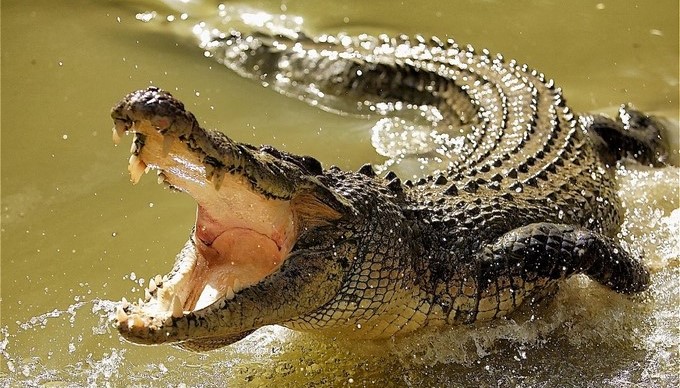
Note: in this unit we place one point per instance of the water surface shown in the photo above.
(76, 235)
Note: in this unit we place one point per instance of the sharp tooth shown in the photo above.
(167, 144)
(217, 178)
(207, 297)
(136, 168)
(165, 279)
(124, 303)
(140, 302)
(152, 285)
(135, 321)
(165, 297)
(230, 293)
(137, 143)
(176, 307)
(209, 171)
(147, 295)
(121, 315)
(158, 280)
(118, 132)
(161, 177)
(237, 285)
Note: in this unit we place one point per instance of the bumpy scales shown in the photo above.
(527, 198)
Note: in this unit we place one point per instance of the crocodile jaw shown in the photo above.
(240, 238)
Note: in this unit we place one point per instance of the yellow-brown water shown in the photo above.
(76, 234)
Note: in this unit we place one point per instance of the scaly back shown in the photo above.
(503, 130)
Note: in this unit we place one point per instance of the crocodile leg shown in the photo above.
(633, 134)
(526, 263)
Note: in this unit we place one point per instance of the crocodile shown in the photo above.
(526, 200)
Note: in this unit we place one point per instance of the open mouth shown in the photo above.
(241, 236)
(257, 254)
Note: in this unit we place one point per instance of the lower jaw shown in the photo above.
(211, 343)
(162, 301)
(201, 276)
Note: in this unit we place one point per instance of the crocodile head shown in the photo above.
(253, 250)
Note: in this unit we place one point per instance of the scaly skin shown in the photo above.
(527, 201)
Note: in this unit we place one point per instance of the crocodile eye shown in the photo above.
(309, 163)
(312, 165)
(271, 151)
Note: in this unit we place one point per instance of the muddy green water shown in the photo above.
(77, 236)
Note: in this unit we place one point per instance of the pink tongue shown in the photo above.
(236, 259)
(207, 229)
(250, 255)
(230, 257)
(236, 248)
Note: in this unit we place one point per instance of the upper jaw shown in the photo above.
(268, 172)
(154, 112)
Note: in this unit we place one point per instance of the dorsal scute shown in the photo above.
(390, 175)
(506, 111)
(395, 185)
(367, 169)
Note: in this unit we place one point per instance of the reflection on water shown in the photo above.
(75, 233)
